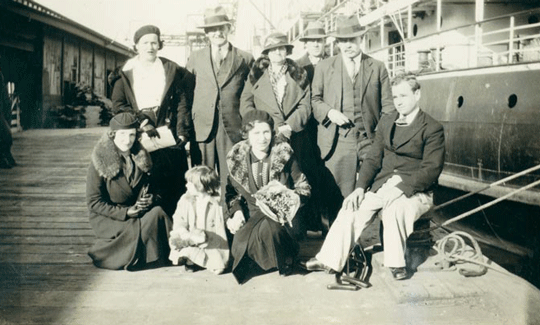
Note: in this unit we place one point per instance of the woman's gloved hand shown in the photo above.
(149, 129)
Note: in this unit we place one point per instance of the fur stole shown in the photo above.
(108, 162)
(237, 161)
(296, 72)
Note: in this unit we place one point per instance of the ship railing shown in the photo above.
(474, 45)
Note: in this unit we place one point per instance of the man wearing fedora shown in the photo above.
(314, 41)
(314, 38)
(350, 92)
(220, 72)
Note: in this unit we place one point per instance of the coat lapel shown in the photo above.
(236, 63)
(293, 95)
(336, 81)
(129, 91)
(208, 66)
(169, 77)
(416, 125)
(264, 91)
(367, 71)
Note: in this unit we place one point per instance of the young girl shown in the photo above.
(198, 238)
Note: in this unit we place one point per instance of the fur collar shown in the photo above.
(237, 161)
(107, 160)
(296, 72)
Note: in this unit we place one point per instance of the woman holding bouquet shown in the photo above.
(279, 86)
(260, 242)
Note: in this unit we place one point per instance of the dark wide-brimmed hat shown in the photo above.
(349, 27)
(314, 31)
(148, 29)
(258, 115)
(123, 121)
(274, 40)
(215, 17)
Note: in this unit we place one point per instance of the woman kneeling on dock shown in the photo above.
(130, 226)
(260, 173)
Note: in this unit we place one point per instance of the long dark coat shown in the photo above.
(121, 240)
(170, 163)
(6, 139)
(263, 240)
(417, 156)
(327, 93)
(211, 98)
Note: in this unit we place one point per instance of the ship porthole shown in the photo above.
(415, 29)
(460, 101)
(512, 100)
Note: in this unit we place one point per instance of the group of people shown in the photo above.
(334, 132)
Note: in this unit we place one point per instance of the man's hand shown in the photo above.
(353, 201)
(286, 130)
(149, 129)
(338, 118)
(236, 222)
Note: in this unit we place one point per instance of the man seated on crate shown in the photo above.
(397, 178)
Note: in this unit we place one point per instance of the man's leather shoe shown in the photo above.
(315, 265)
(399, 273)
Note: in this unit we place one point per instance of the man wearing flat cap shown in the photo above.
(350, 92)
(159, 92)
(220, 72)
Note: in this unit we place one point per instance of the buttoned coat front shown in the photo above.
(327, 94)
(209, 96)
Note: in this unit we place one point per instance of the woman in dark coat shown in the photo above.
(159, 93)
(131, 228)
(281, 87)
(260, 242)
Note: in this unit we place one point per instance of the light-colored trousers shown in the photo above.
(398, 219)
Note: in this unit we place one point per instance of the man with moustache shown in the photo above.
(350, 92)
(220, 72)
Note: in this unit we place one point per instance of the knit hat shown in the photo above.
(123, 121)
(148, 29)
(259, 116)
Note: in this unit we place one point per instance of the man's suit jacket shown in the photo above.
(417, 156)
(209, 94)
(327, 93)
(175, 103)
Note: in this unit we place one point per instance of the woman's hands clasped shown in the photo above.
(143, 204)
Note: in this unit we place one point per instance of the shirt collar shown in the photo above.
(410, 118)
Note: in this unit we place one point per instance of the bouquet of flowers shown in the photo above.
(278, 202)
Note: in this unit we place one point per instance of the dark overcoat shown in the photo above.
(417, 156)
(211, 98)
(108, 197)
(267, 242)
(327, 94)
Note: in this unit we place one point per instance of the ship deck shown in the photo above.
(46, 276)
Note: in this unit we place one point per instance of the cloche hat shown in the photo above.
(314, 30)
(215, 17)
(123, 121)
(276, 39)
